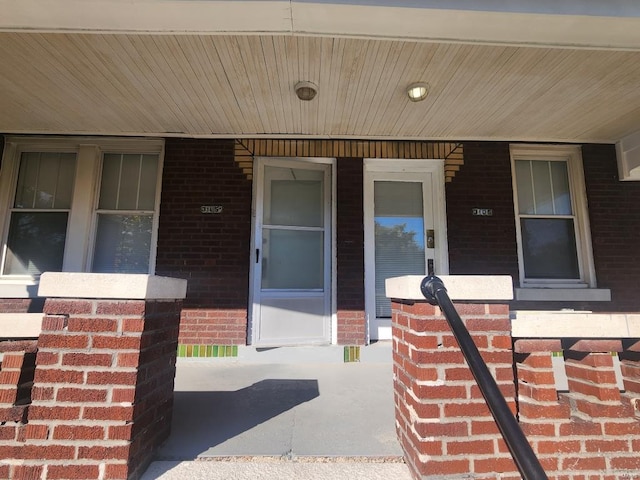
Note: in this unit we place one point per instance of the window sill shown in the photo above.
(563, 294)
(18, 288)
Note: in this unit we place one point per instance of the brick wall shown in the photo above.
(210, 251)
(590, 432)
(482, 245)
(102, 394)
(614, 213)
(593, 430)
(442, 421)
(487, 245)
(21, 305)
(350, 252)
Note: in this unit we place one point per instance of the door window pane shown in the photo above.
(123, 243)
(292, 259)
(399, 236)
(294, 197)
(36, 243)
(549, 247)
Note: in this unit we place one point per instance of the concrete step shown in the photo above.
(269, 468)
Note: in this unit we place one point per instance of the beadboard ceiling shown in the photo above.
(216, 85)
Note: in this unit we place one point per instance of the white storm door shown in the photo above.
(292, 272)
(401, 211)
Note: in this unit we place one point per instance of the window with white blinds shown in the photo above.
(398, 235)
(40, 212)
(554, 245)
(78, 204)
(125, 213)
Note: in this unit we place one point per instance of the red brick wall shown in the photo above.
(21, 305)
(210, 251)
(443, 423)
(102, 391)
(590, 432)
(350, 252)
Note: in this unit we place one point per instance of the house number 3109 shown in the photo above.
(211, 209)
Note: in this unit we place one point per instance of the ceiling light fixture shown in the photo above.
(306, 91)
(417, 91)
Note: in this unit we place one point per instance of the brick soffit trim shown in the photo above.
(451, 152)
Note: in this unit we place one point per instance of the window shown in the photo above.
(78, 204)
(554, 246)
(125, 213)
(40, 212)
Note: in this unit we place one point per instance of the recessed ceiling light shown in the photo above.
(417, 91)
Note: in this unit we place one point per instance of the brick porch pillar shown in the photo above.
(103, 389)
(443, 423)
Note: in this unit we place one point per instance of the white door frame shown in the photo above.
(256, 220)
(430, 171)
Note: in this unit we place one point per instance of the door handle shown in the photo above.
(257, 255)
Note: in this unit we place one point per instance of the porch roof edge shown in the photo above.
(585, 25)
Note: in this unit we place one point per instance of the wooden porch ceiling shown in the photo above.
(241, 86)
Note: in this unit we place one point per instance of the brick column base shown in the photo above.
(443, 423)
(102, 393)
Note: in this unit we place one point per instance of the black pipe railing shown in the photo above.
(523, 455)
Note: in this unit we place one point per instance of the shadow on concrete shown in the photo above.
(204, 420)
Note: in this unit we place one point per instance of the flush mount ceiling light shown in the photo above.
(417, 91)
(306, 91)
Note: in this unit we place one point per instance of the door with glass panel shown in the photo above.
(400, 238)
(292, 258)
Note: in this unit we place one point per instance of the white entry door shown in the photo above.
(291, 291)
(404, 230)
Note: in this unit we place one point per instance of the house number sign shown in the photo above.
(211, 209)
(482, 212)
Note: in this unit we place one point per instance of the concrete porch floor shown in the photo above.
(283, 413)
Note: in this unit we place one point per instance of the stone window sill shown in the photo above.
(563, 294)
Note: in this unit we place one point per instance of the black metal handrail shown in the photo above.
(523, 455)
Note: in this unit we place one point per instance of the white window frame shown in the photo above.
(572, 155)
(81, 227)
